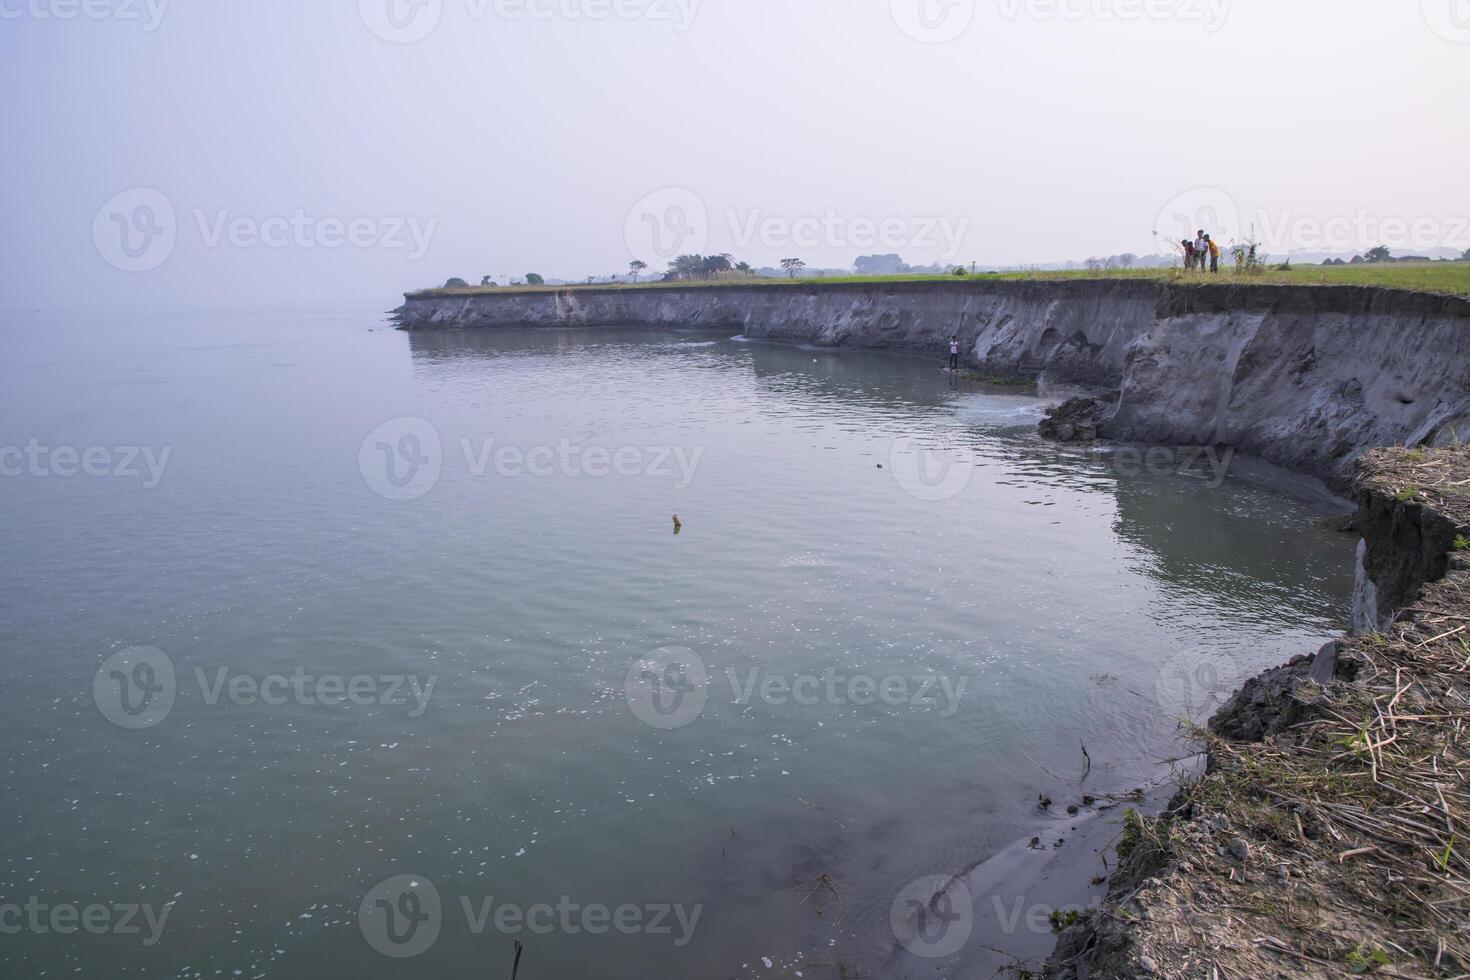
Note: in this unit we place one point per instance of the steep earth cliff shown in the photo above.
(1304, 376)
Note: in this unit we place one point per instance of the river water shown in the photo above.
(333, 651)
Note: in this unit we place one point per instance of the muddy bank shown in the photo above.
(1302, 376)
(1327, 836)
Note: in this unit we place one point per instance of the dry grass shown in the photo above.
(1340, 846)
(1367, 804)
(1435, 478)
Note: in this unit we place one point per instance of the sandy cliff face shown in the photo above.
(1307, 377)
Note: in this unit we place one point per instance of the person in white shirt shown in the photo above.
(954, 353)
(1201, 249)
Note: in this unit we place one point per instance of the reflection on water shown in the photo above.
(848, 518)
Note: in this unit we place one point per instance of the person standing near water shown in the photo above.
(954, 353)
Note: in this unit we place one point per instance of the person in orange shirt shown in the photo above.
(1214, 255)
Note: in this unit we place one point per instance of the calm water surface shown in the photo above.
(1023, 602)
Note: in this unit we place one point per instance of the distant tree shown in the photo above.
(1094, 264)
(532, 279)
(635, 267)
(743, 268)
(1378, 253)
(1127, 259)
(487, 281)
(879, 265)
(455, 283)
(1466, 256)
(959, 272)
(792, 266)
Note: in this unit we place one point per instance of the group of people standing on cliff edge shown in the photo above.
(1203, 249)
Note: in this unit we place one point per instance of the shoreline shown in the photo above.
(1294, 376)
(1324, 837)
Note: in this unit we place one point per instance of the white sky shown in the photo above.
(1045, 129)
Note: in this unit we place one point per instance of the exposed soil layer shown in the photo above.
(1306, 377)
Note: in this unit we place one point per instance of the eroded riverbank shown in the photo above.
(1327, 836)
(1303, 376)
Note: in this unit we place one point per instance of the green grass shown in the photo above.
(1449, 278)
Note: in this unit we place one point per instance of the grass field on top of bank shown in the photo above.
(1449, 278)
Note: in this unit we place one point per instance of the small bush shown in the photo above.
(1061, 921)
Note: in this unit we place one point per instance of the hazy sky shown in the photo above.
(182, 151)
